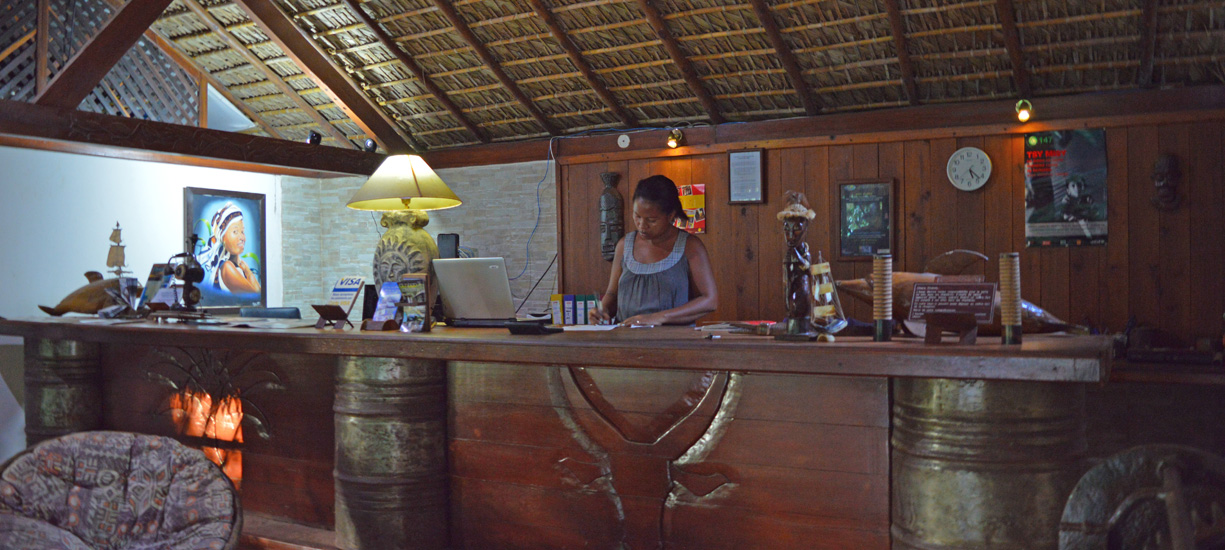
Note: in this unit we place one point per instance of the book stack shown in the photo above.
(572, 309)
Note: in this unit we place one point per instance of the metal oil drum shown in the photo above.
(63, 388)
(391, 468)
(983, 464)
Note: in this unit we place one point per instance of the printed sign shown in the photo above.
(977, 299)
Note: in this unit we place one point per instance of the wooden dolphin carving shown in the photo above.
(1034, 319)
(87, 299)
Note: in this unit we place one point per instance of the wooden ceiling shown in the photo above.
(435, 74)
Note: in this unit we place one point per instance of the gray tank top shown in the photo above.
(648, 288)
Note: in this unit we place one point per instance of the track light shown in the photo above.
(675, 138)
(314, 138)
(369, 146)
(1025, 109)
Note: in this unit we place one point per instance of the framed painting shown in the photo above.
(228, 232)
(865, 219)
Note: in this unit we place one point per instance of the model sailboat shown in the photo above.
(115, 258)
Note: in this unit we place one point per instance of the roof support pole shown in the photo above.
(682, 62)
(1012, 42)
(786, 57)
(903, 51)
(42, 52)
(1148, 43)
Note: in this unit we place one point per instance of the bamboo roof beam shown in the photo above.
(466, 33)
(42, 70)
(85, 70)
(581, 64)
(415, 68)
(345, 93)
(1148, 43)
(682, 62)
(272, 77)
(903, 51)
(1012, 42)
(786, 57)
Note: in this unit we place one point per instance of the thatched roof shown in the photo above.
(506, 70)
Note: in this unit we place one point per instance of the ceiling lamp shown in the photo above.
(675, 138)
(1025, 109)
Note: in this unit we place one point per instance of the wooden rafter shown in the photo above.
(1148, 43)
(1012, 42)
(492, 64)
(202, 75)
(85, 70)
(335, 83)
(258, 64)
(576, 57)
(660, 26)
(785, 56)
(42, 72)
(903, 51)
(415, 68)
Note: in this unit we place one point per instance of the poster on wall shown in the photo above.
(230, 245)
(865, 221)
(693, 200)
(1065, 188)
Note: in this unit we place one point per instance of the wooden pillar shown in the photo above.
(983, 465)
(391, 465)
(63, 388)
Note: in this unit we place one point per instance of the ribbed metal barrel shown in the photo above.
(983, 464)
(63, 388)
(391, 467)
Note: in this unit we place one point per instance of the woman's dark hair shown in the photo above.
(661, 192)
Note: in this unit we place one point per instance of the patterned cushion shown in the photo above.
(22, 532)
(116, 490)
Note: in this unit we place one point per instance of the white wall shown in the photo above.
(57, 210)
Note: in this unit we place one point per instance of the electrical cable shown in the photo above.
(542, 275)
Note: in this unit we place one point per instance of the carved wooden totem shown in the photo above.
(612, 215)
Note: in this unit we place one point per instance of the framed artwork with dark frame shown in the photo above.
(865, 219)
(230, 244)
(746, 177)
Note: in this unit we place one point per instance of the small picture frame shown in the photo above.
(864, 221)
(746, 177)
(414, 306)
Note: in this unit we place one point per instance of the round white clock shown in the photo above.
(969, 168)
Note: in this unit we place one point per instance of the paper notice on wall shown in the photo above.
(693, 201)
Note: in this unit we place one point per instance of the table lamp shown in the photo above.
(404, 187)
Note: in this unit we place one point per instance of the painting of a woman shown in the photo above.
(229, 234)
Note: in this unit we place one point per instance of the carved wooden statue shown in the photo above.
(612, 215)
(795, 217)
(405, 247)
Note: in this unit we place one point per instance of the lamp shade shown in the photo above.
(404, 182)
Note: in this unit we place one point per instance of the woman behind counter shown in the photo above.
(658, 268)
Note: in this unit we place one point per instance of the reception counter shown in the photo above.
(646, 438)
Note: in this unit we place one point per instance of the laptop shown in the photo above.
(475, 291)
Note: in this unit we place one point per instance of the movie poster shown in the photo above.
(1065, 188)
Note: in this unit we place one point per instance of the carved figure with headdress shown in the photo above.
(795, 217)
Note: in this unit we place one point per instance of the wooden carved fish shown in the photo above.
(87, 299)
(1034, 319)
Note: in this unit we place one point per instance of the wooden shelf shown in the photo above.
(1168, 373)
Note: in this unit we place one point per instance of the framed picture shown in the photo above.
(865, 219)
(745, 176)
(230, 244)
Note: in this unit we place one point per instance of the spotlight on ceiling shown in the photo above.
(369, 146)
(1025, 109)
(314, 138)
(675, 138)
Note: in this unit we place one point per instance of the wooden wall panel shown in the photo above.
(531, 460)
(1161, 268)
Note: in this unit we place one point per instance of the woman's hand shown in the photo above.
(598, 317)
(646, 319)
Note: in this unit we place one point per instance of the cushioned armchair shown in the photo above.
(116, 491)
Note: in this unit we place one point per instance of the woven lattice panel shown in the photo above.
(18, 25)
(147, 84)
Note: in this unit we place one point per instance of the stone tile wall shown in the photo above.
(324, 240)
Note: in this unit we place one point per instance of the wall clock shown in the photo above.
(969, 168)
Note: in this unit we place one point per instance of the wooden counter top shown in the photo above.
(1056, 358)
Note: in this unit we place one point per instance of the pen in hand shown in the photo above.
(599, 307)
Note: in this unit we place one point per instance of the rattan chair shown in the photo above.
(116, 491)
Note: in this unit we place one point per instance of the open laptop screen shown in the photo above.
(474, 290)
